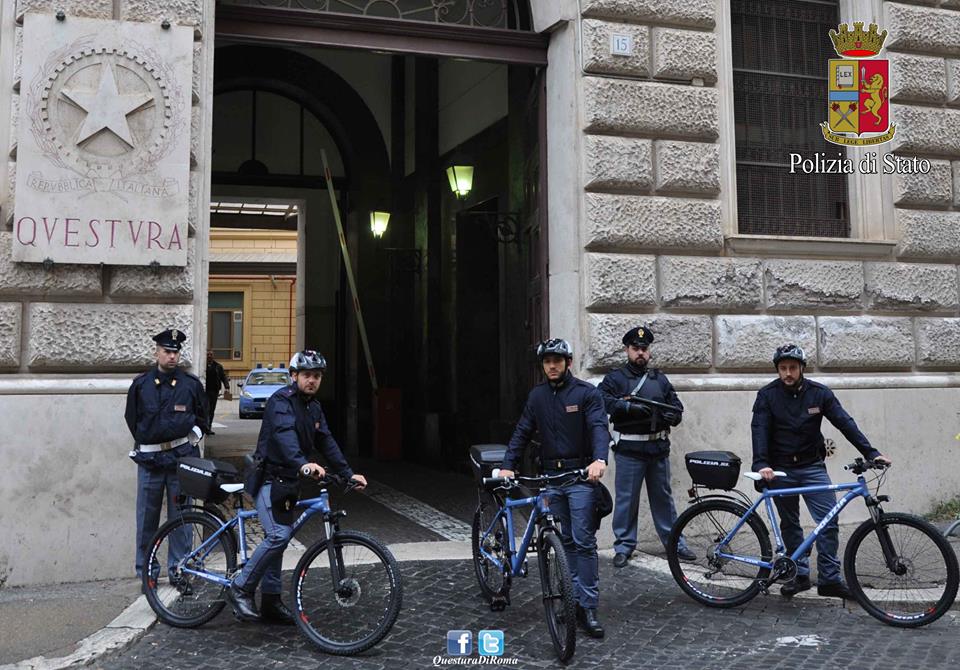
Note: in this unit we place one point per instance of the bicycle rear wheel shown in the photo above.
(712, 580)
(558, 601)
(494, 582)
(360, 609)
(920, 583)
(179, 598)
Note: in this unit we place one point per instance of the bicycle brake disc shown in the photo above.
(349, 592)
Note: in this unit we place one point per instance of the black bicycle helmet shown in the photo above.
(308, 359)
(554, 346)
(791, 351)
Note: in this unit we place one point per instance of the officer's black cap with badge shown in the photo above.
(640, 336)
(170, 339)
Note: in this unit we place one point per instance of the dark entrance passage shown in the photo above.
(451, 284)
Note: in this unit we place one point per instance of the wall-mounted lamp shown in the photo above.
(379, 222)
(461, 180)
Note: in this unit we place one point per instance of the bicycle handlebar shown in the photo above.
(511, 481)
(330, 478)
(861, 465)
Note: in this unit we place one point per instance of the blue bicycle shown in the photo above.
(346, 587)
(898, 566)
(497, 558)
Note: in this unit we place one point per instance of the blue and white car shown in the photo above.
(260, 384)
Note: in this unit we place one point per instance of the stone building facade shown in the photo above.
(642, 207)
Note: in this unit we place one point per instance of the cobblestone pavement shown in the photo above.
(649, 622)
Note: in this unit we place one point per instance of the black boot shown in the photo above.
(594, 629)
(587, 618)
(243, 604)
(272, 610)
(795, 586)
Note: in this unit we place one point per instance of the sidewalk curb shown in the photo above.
(129, 626)
(138, 618)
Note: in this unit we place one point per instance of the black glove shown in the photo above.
(639, 411)
(671, 418)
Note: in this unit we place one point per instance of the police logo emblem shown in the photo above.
(858, 96)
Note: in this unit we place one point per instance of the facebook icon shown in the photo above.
(459, 643)
(490, 642)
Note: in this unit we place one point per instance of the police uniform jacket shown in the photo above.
(657, 387)
(293, 430)
(786, 425)
(571, 422)
(164, 406)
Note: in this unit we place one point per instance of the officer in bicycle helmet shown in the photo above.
(569, 415)
(786, 436)
(293, 433)
(642, 434)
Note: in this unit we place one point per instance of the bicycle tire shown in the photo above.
(189, 593)
(306, 590)
(489, 586)
(926, 603)
(558, 600)
(702, 526)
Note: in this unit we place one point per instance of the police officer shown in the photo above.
(216, 378)
(642, 444)
(786, 435)
(167, 415)
(294, 429)
(569, 415)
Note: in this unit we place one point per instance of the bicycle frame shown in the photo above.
(515, 557)
(857, 489)
(311, 506)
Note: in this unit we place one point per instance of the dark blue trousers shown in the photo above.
(574, 506)
(151, 484)
(265, 565)
(828, 542)
(632, 472)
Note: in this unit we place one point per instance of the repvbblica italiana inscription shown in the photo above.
(103, 153)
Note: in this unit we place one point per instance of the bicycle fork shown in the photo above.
(332, 528)
(894, 564)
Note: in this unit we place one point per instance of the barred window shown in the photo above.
(780, 54)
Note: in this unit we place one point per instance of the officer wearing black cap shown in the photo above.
(642, 447)
(167, 416)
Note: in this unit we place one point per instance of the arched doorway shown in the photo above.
(453, 292)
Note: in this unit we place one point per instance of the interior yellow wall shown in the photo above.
(268, 305)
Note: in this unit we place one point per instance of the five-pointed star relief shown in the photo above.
(107, 107)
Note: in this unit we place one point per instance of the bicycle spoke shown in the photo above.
(362, 606)
(182, 548)
(712, 579)
(914, 589)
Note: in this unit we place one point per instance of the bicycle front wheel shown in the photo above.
(713, 580)
(912, 583)
(558, 601)
(180, 598)
(356, 612)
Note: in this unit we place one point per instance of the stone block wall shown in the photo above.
(44, 310)
(653, 226)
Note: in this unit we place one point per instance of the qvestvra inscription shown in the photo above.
(103, 153)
